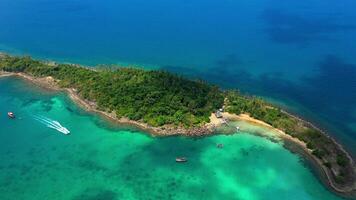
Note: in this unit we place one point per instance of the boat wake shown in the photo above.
(52, 124)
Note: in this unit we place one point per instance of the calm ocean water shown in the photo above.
(104, 162)
(297, 54)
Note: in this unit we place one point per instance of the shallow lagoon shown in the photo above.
(300, 53)
(297, 52)
(100, 160)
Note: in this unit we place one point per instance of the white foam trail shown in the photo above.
(52, 124)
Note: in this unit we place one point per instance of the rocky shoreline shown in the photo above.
(166, 130)
(293, 144)
(207, 129)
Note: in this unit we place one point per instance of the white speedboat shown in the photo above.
(181, 159)
(64, 130)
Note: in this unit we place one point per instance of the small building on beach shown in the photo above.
(218, 114)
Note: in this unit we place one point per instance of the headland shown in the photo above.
(166, 104)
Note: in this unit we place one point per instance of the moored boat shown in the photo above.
(11, 115)
(181, 159)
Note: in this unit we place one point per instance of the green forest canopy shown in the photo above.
(159, 98)
(156, 97)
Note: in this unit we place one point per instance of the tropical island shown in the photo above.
(168, 104)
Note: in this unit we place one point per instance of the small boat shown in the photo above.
(237, 128)
(64, 130)
(220, 146)
(11, 115)
(181, 159)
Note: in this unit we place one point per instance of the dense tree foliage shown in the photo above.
(320, 145)
(159, 98)
(156, 97)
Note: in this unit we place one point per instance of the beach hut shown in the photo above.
(218, 114)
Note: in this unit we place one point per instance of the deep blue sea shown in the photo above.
(300, 54)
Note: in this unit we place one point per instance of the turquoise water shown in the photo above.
(297, 54)
(300, 53)
(104, 161)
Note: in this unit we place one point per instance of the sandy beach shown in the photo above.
(325, 172)
(5, 74)
(207, 129)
